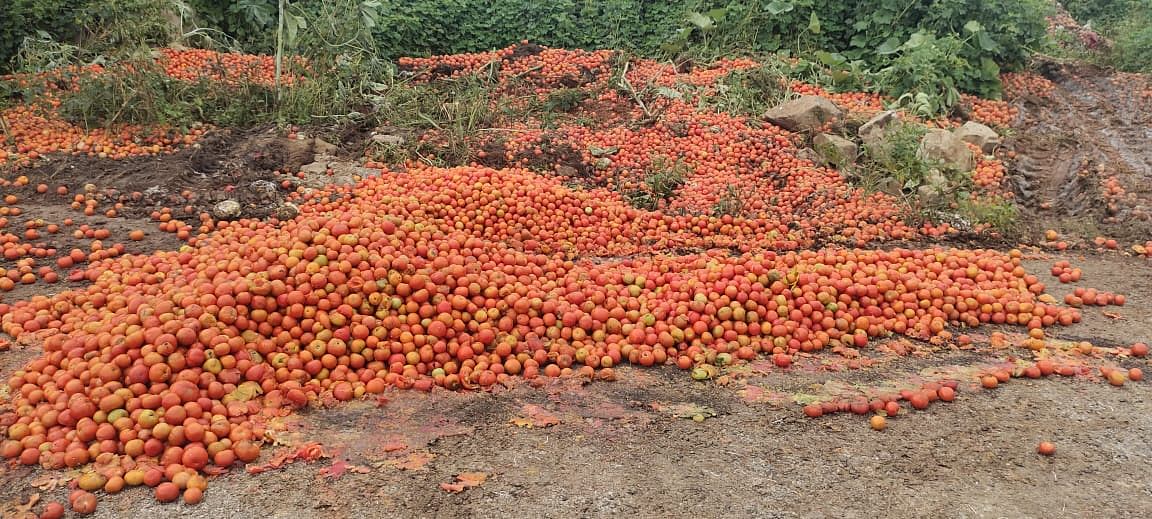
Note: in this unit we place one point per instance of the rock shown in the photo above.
(320, 167)
(388, 139)
(890, 186)
(835, 150)
(565, 170)
(286, 211)
(343, 174)
(227, 210)
(264, 188)
(975, 133)
(322, 147)
(872, 132)
(809, 155)
(942, 146)
(934, 187)
(804, 114)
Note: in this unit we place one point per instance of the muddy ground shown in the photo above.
(631, 448)
(1093, 127)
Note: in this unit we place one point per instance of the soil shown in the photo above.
(555, 158)
(657, 444)
(244, 166)
(1068, 144)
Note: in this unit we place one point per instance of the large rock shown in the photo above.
(835, 150)
(942, 146)
(804, 114)
(316, 174)
(323, 147)
(975, 133)
(872, 133)
(933, 188)
(388, 139)
(227, 210)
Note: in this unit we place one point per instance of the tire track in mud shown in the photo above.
(1092, 127)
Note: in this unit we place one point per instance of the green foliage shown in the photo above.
(252, 23)
(925, 73)
(140, 92)
(731, 203)
(894, 158)
(457, 109)
(999, 213)
(1126, 23)
(1102, 12)
(751, 92)
(664, 177)
(24, 18)
(1132, 41)
(960, 42)
(90, 28)
(114, 26)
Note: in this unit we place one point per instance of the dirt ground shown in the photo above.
(657, 444)
(1093, 129)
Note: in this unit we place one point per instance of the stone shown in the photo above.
(323, 147)
(804, 114)
(975, 133)
(942, 146)
(835, 150)
(286, 211)
(890, 186)
(388, 139)
(227, 210)
(809, 155)
(934, 187)
(320, 167)
(872, 133)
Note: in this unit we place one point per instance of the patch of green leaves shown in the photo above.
(660, 183)
(731, 203)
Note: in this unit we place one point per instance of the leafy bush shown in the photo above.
(140, 92)
(1127, 23)
(895, 158)
(93, 27)
(1132, 37)
(1102, 12)
(660, 183)
(929, 49)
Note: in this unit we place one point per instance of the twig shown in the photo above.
(635, 96)
(4, 129)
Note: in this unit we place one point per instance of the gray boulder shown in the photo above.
(227, 210)
(975, 133)
(934, 187)
(804, 114)
(942, 146)
(835, 150)
(872, 133)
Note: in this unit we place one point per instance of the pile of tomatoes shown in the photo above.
(455, 278)
(162, 371)
(35, 129)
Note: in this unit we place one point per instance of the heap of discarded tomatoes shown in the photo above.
(455, 278)
(160, 372)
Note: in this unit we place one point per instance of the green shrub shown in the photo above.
(1132, 41)
(140, 92)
